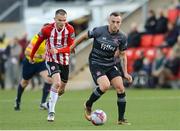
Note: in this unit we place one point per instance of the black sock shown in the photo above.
(121, 102)
(45, 92)
(96, 94)
(20, 91)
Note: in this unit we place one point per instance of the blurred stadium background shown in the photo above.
(21, 19)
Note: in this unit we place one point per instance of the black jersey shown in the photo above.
(105, 45)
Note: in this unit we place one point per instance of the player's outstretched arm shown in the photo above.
(35, 48)
(68, 49)
(60, 50)
(124, 65)
(78, 40)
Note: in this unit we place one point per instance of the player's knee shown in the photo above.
(120, 89)
(104, 87)
(49, 80)
(57, 85)
(24, 83)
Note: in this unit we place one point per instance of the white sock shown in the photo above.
(53, 99)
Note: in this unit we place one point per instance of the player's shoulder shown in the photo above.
(48, 27)
(46, 30)
(69, 27)
(122, 34)
(100, 28)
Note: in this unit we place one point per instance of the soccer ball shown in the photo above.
(98, 117)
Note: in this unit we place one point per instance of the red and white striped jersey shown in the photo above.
(56, 39)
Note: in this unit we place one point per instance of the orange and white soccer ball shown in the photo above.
(98, 117)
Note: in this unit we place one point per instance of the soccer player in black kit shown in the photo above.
(108, 40)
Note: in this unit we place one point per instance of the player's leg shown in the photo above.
(54, 72)
(103, 86)
(46, 88)
(116, 80)
(102, 83)
(64, 78)
(117, 83)
(54, 92)
(22, 85)
(27, 73)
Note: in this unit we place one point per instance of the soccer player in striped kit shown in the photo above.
(59, 34)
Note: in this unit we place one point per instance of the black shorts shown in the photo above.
(98, 71)
(118, 65)
(58, 68)
(29, 70)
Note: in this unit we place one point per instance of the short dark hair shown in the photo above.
(61, 12)
(45, 24)
(115, 14)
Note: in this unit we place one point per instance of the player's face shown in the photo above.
(60, 20)
(114, 23)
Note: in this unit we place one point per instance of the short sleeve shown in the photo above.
(93, 33)
(71, 35)
(123, 43)
(43, 33)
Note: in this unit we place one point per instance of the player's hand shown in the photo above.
(43, 56)
(53, 51)
(31, 61)
(128, 77)
(73, 51)
(38, 56)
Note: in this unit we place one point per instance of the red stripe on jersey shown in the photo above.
(58, 39)
(62, 42)
(56, 44)
(48, 54)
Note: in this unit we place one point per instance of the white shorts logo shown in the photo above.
(53, 68)
(98, 73)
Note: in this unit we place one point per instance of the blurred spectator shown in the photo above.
(162, 21)
(150, 24)
(157, 64)
(138, 63)
(23, 43)
(178, 22)
(171, 67)
(138, 74)
(147, 66)
(13, 51)
(176, 48)
(171, 36)
(134, 36)
(146, 71)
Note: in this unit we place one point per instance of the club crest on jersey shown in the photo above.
(104, 38)
(53, 68)
(115, 40)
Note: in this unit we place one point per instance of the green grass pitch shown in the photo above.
(146, 110)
